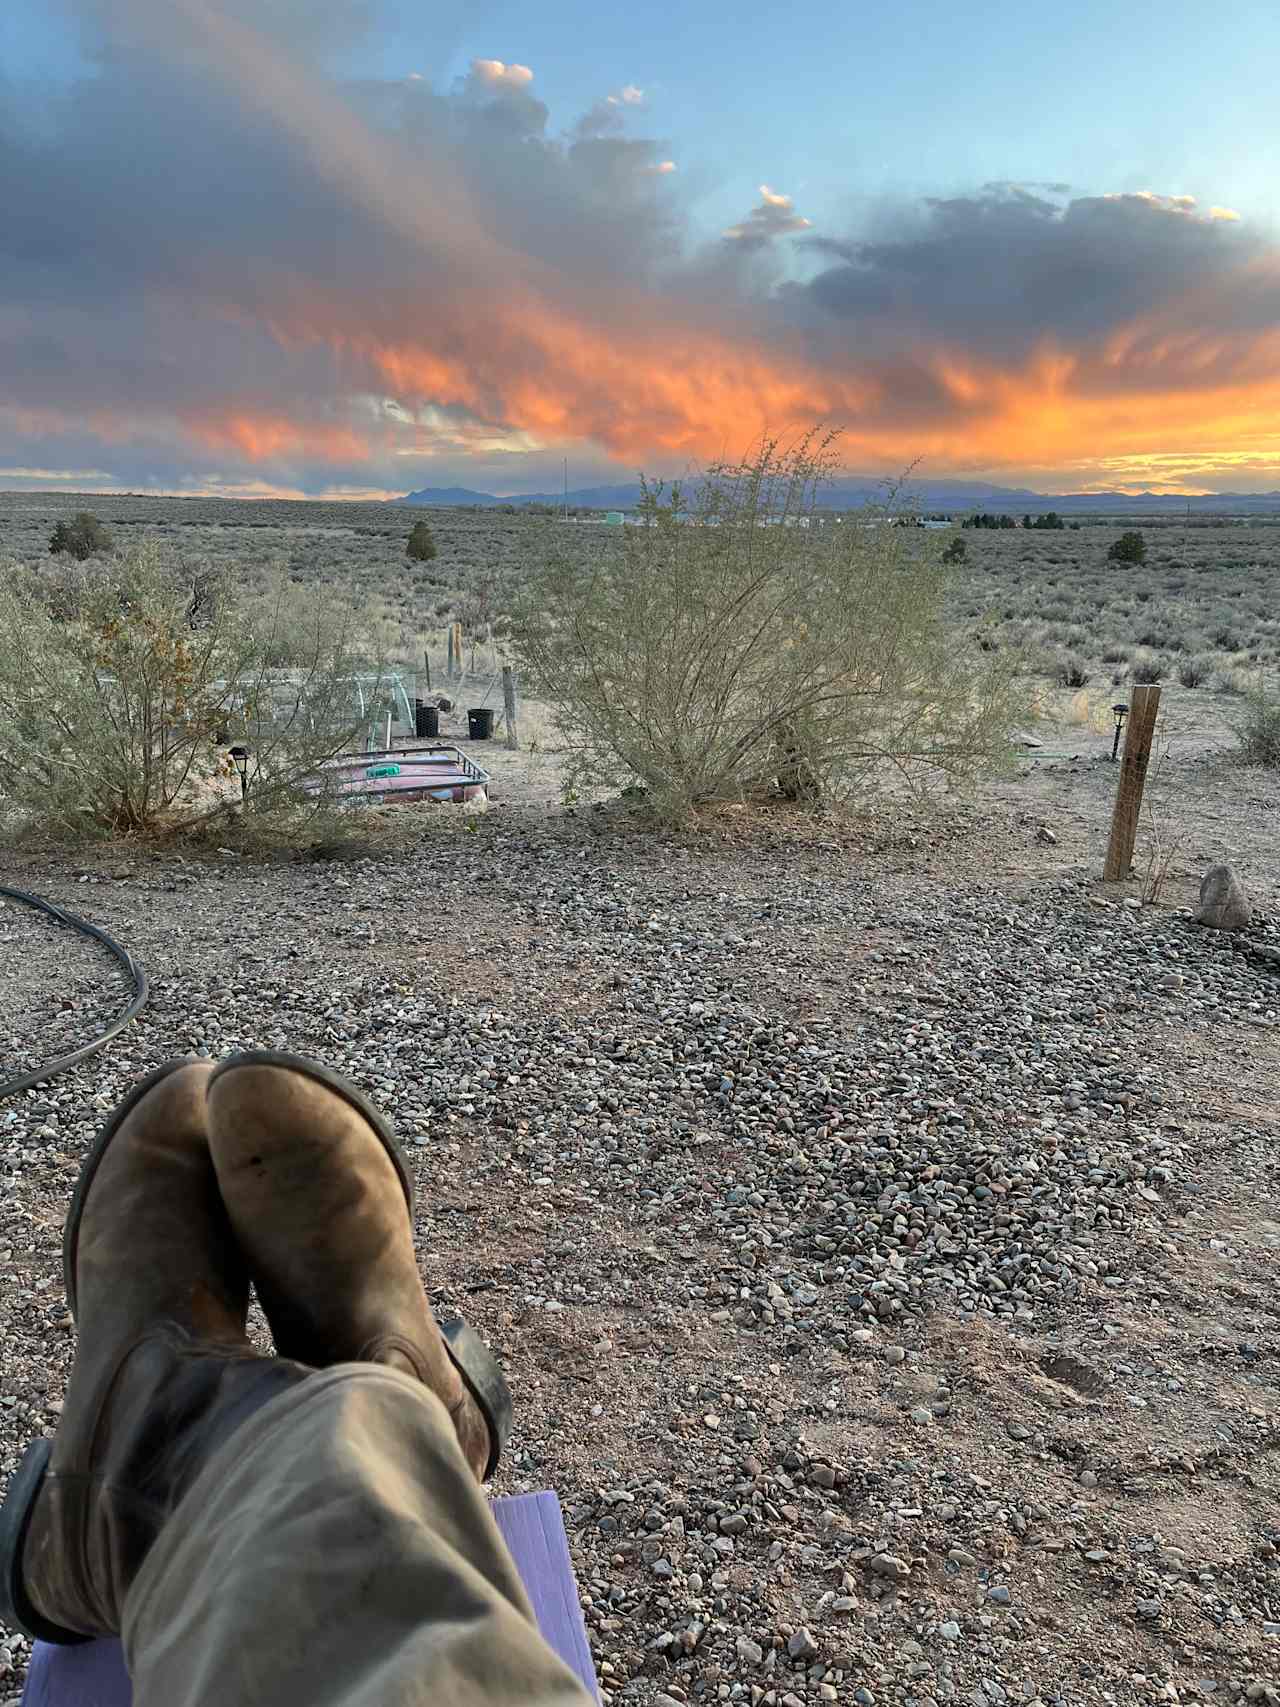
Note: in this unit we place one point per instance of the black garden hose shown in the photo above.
(141, 989)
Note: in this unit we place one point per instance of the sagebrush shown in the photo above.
(1257, 728)
(123, 684)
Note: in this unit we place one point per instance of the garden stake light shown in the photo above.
(241, 757)
(1120, 712)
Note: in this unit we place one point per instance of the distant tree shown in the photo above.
(1027, 522)
(956, 551)
(82, 537)
(1129, 548)
(420, 547)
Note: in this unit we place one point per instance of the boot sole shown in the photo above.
(482, 1375)
(15, 1520)
(80, 1196)
(468, 1353)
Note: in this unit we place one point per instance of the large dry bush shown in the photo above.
(738, 642)
(122, 683)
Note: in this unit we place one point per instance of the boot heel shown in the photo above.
(15, 1520)
(481, 1372)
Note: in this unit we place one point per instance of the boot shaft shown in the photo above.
(121, 1466)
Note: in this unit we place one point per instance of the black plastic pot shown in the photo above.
(479, 723)
(426, 719)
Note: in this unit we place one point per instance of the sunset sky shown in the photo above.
(353, 247)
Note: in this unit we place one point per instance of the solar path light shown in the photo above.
(1119, 712)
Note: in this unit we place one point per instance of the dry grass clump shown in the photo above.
(1231, 682)
(1195, 672)
(1257, 729)
(1145, 668)
(1072, 671)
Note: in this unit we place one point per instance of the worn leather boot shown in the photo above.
(322, 1205)
(163, 1373)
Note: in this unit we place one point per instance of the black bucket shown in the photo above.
(426, 719)
(479, 723)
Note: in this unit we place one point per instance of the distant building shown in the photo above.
(614, 518)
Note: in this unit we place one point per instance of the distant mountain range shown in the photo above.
(958, 495)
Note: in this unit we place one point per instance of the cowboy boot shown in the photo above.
(322, 1205)
(163, 1373)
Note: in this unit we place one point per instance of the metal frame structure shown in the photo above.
(439, 770)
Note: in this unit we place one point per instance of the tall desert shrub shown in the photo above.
(739, 643)
(121, 686)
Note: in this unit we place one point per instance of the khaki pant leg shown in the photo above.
(337, 1552)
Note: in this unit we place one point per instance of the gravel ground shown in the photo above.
(874, 1222)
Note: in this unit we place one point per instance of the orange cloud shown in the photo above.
(642, 386)
(268, 437)
(658, 391)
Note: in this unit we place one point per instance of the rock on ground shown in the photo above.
(1224, 905)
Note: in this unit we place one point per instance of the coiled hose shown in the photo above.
(141, 989)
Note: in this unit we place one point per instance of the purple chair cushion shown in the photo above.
(93, 1675)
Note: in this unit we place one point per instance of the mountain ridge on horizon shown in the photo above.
(851, 492)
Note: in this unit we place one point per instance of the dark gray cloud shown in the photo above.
(1011, 265)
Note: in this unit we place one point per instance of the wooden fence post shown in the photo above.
(426, 664)
(1133, 775)
(459, 663)
(509, 707)
(448, 671)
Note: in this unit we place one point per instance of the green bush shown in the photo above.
(82, 537)
(735, 644)
(420, 546)
(1129, 548)
(116, 712)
